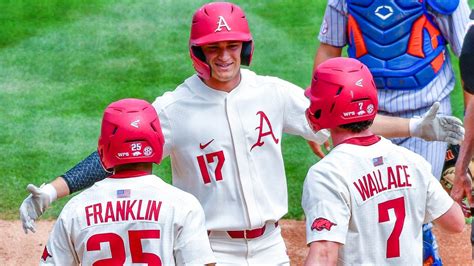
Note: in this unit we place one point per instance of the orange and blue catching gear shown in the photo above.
(398, 40)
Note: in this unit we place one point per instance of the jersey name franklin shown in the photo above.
(124, 210)
(381, 180)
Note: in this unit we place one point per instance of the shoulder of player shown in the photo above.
(334, 166)
(169, 192)
(72, 206)
(169, 98)
(269, 84)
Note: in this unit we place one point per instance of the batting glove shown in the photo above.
(432, 127)
(35, 204)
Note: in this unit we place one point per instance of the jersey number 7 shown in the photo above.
(393, 241)
(117, 247)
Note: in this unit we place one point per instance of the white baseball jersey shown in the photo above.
(129, 220)
(225, 147)
(372, 196)
(409, 103)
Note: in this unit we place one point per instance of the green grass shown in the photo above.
(62, 62)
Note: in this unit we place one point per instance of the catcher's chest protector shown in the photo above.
(397, 40)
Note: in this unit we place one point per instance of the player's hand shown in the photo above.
(432, 127)
(462, 188)
(35, 205)
(322, 137)
(316, 148)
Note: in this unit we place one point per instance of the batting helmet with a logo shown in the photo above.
(342, 92)
(217, 22)
(130, 133)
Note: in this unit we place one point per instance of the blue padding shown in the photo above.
(402, 62)
(386, 27)
(379, 83)
(427, 46)
(402, 83)
(387, 52)
(372, 62)
(425, 75)
(444, 7)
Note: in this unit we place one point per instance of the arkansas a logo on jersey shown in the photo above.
(322, 223)
(264, 131)
(46, 254)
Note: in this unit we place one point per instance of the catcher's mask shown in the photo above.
(130, 133)
(342, 92)
(216, 22)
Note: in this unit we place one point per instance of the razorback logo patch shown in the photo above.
(46, 254)
(322, 223)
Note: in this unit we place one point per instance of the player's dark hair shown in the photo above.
(357, 127)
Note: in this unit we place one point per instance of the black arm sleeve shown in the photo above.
(85, 173)
(466, 61)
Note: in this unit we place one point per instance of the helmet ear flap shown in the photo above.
(246, 54)
(198, 53)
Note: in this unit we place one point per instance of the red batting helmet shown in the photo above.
(342, 92)
(216, 22)
(130, 133)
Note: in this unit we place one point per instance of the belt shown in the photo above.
(249, 234)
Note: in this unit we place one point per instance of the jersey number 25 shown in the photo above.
(117, 247)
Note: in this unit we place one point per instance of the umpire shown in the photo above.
(462, 182)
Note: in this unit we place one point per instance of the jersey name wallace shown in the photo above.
(380, 180)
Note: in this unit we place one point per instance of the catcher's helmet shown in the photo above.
(216, 22)
(130, 133)
(342, 92)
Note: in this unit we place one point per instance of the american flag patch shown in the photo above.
(123, 193)
(377, 161)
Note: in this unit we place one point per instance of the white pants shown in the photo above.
(268, 249)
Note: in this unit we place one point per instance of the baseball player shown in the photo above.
(223, 129)
(132, 216)
(367, 194)
(404, 44)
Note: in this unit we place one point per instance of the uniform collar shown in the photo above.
(196, 85)
(129, 174)
(362, 141)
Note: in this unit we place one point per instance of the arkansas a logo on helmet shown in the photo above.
(319, 224)
(222, 23)
(218, 22)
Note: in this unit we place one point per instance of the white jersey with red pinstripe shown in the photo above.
(409, 103)
(121, 221)
(372, 196)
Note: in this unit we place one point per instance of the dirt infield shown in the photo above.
(16, 248)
